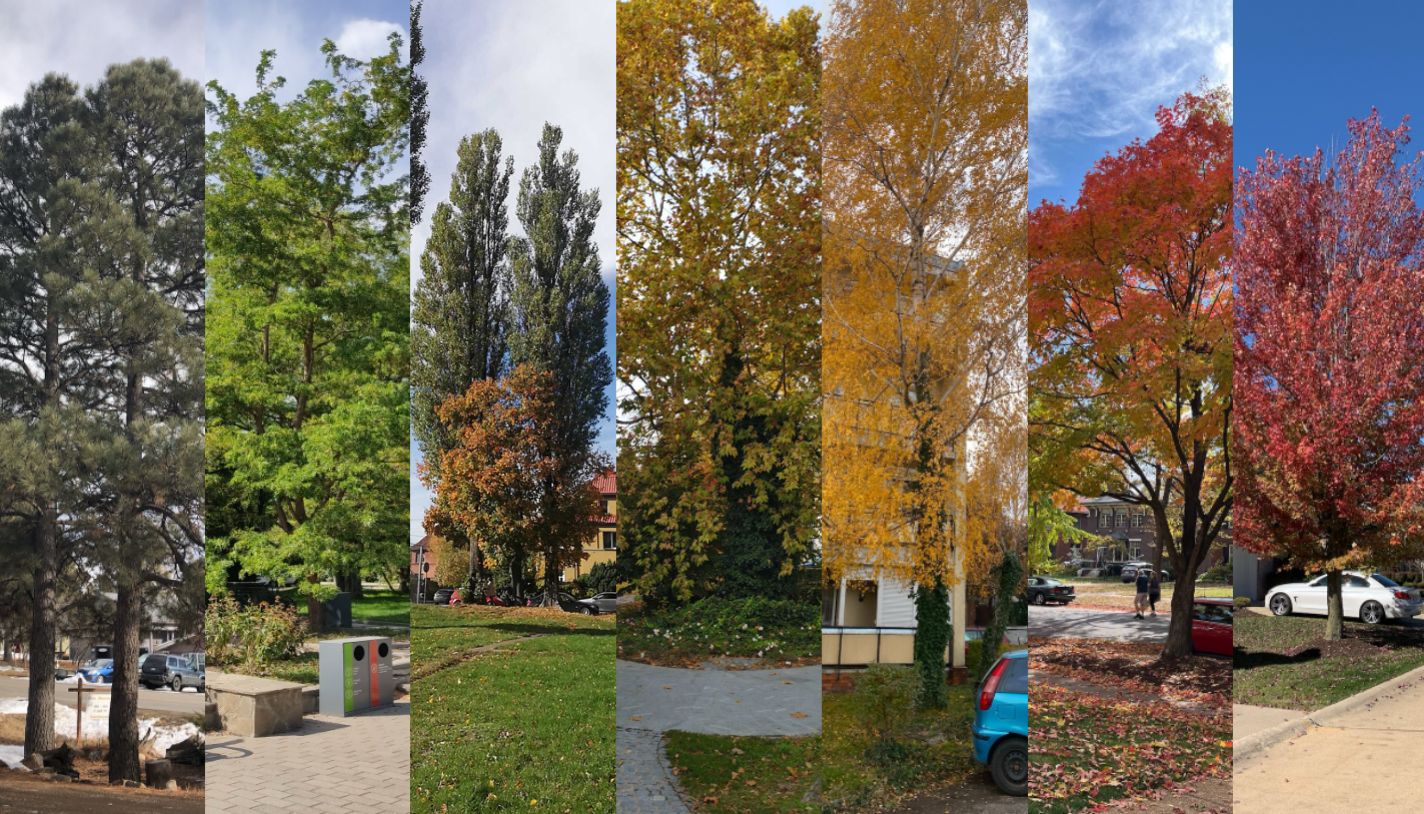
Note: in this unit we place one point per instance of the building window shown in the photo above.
(610, 540)
(1122, 519)
(1137, 520)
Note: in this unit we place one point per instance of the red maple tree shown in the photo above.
(1329, 349)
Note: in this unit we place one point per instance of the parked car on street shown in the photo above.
(592, 606)
(1129, 570)
(98, 671)
(1001, 723)
(442, 596)
(1371, 598)
(1211, 625)
(1045, 590)
(175, 672)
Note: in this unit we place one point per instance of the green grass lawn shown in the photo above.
(939, 752)
(731, 775)
(382, 608)
(776, 631)
(1281, 661)
(529, 727)
(1086, 751)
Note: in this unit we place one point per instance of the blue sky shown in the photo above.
(1307, 68)
(81, 39)
(514, 65)
(1098, 71)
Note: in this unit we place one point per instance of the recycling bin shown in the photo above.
(355, 675)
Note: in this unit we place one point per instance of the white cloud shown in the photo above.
(81, 39)
(364, 39)
(1101, 70)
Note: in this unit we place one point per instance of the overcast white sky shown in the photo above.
(81, 39)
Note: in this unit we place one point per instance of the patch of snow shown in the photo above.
(66, 719)
(11, 756)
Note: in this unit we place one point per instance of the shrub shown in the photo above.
(1221, 572)
(601, 578)
(1241, 602)
(255, 635)
(884, 703)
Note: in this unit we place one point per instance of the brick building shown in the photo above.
(1131, 535)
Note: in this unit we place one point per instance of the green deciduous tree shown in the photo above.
(308, 315)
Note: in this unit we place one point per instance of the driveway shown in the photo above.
(1094, 624)
(1363, 761)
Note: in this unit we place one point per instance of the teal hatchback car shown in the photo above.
(1001, 722)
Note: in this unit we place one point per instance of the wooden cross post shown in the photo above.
(79, 717)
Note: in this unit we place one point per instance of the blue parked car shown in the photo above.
(1001, 723)
(98, 671)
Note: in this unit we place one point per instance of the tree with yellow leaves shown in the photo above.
(925, 175)
(719, 233)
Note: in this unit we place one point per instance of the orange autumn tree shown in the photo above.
(925, 136)
(502, 479)
(1130, 318)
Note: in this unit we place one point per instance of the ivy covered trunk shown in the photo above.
(931, 641)
(1010, 572)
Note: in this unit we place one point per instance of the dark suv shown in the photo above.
(160, 670)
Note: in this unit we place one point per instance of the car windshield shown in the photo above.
(101, 663)
(1051, 582)
(1385, 581)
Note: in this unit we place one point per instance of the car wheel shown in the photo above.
(1039, 600)
(1009, 765)
(1280, 605)
(177, 684)
(1372, 613)
(586, 610)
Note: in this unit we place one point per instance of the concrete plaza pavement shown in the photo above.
(1249, 720)
(354, 765)
(653, 700)
(1361, 761)
(1071, 623)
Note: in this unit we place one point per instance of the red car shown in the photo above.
(1211, 625)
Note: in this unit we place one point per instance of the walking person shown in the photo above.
(1154, 591)
(1140, 603)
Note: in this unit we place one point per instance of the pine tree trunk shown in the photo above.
(123, 712)
(39, 717)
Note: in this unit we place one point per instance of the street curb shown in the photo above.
(1265, 739)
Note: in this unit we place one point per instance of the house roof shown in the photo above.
(606, 482)
(423, 542)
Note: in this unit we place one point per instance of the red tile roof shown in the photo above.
(606, 482)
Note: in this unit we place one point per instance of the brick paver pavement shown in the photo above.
(355, 765)
(646, 784)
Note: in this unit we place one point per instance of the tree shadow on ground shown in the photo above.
(1242, 659)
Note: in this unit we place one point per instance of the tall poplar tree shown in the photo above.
(308, 391)
(560, 310)
(460, 315)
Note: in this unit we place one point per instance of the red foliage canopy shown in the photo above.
(1329, 352)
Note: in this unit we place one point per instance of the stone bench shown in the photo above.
(254, 707)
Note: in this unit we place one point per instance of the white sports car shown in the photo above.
(1370, 598)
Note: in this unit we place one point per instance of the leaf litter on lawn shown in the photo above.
(1089, 753)
(1137, 667)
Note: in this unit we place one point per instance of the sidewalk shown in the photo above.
(354, 765)
(653, 700)
(1360, 760)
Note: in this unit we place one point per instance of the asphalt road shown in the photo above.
(1054, 622)
(184, 703)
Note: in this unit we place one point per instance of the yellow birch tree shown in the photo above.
(925, 180)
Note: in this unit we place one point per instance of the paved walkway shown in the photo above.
(765, 703)
(653, 700)
(646, 784)
(354, 765)
(1363, 760)
(1248, 720)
